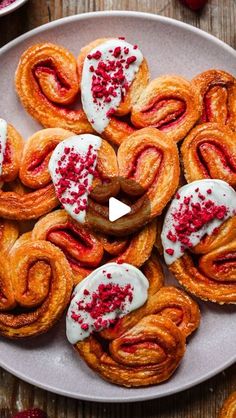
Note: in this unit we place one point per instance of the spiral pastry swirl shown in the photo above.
(209, 151)
(149, 171)
(85, 250)
(169, 103)
(228, 409)
(12, 155)
(218, 92)
(35, 290)
(145, 355)
(212, 276)
(47, 84)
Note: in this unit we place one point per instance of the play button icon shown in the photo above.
(117, 209)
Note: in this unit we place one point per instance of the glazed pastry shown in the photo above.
(131, 359)
(11, 147)
(43, 270)
(169, 103)
(168, 301)
(112, 75)
(9, 232)
(218, 91)
(85, 251)
(149, 172)
(201, 219)
(228, 410)
(32, 205)
(38, 149)
(47, 84)
(209, 151)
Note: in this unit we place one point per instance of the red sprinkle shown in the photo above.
(170, 251)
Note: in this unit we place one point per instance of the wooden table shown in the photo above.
(203, 401)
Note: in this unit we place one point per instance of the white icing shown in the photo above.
(121, 274)
(221, 194)
(78, 144)
(3, 141)
(97, 112)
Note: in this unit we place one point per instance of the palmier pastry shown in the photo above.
(48, 86)
(36, 284)
(170, 104)
(112, 75)
(148, 166)
(218, 91)
(9, 232)
(11, 147)
(145, 354)
(85, 251)
(228, 409)
(165, 301)
(199, 239)
(209, 151)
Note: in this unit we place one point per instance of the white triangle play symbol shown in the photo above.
(117, 209)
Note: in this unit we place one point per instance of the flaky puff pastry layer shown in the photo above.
(228, 409)
(147, 354)
(149, 173)
(13, 154)
(169, 103)
(211, 276)
(48, 86)
(218, 92)
(167, 301)
(85, 250)
(36, 284)
(146, 346)
(46, 82)
(209, 151)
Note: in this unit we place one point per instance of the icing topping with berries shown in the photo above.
(107, 294)
(198, 209)
(72, 167)
(108, 71)
(3, 141)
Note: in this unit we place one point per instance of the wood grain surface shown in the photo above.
(203, 401)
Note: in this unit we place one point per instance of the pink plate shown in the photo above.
(170, 47)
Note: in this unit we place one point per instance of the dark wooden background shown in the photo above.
(203, 401)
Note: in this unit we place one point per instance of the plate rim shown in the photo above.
(173, 22)
(12, 7)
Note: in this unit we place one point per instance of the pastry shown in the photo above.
(209, 151)
(201, 220)
(134, 358)
(9, 233)
(11, 147)
(48, 86)
(43, 270)
(169, 103)
(218, 91)
(112, 75)
(85, 251)
(228, 410)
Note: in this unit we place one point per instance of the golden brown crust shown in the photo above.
(228, 409)
(46, 82)
(209, 151)
(148, 166)
(169, 103)
(39, 284)
(9, 233)
(37, 152)
(85, 251)
(212, 277)
(32, 205)
(218, 92)
(12, 156)
(145, 355)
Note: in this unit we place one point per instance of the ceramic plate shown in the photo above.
(170, 47)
